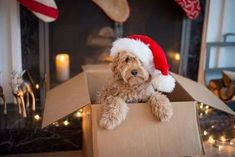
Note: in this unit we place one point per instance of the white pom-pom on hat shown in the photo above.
(152, 56)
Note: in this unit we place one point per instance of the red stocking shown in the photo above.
(191, 7)
(46, 10)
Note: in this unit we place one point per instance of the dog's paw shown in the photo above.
(109, 123)
(161, 107)
(113, 114)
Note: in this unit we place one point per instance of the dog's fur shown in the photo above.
(127, 88)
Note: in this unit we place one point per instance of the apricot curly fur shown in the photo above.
(131, 84)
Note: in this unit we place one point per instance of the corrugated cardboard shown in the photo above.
(140, 134)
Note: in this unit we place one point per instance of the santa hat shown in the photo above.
(152, 56)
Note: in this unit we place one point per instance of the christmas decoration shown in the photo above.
(3, 99)
(117, 10)
(191, 7)
(217, 128)
(20, 88)
(46, 10)
(152, 56)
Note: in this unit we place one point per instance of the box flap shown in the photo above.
(97, 77)
(201, 94)
(96, 68)
(65, 99)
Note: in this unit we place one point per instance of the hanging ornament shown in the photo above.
(191, 7)
(117, 10)
(46, 10)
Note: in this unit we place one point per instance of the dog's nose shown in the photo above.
(134, 72)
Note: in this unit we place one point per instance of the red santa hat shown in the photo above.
(152, 56)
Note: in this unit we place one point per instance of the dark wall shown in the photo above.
(161, 19)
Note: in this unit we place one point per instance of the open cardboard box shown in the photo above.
(140, 134)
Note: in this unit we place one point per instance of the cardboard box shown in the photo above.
(140, 134)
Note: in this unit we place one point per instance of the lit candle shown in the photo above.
(62, 67)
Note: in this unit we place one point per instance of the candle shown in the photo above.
(62, 67)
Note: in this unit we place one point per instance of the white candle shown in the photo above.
(62, 67)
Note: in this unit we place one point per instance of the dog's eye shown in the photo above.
(127, 59)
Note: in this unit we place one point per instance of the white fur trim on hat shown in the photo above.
(136, 47)
(164, 83)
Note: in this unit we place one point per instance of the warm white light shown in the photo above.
(222, 138)
(177, 56)
(37, 86)
(206, 111)
(201, 106)
(231, 143)
(62, 66)
(212, 126)
(211, 140)
(201, 114)
(61, 58)
(55, 124)
(66, 123)
(78, 114)
(220, 147)
(207, 106)
(37, 117)
(205, 132)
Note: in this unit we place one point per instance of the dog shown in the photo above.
(131, 84)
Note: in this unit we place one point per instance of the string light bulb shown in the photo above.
(212, 126)
(207, 106)
(220, 147)
(37, 117)
(222, 138)
(37, 86)
(231, 143)
(211, 140)
(205, 132)
(66, 123)
(55, 124)
(201, 106)
(78, 114)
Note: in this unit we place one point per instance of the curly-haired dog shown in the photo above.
(132, 84)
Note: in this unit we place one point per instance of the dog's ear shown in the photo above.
(115, 64)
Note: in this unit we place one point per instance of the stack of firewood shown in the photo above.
(224, 88)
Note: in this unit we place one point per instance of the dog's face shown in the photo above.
(128, 67)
